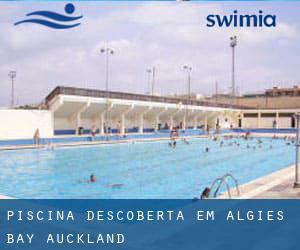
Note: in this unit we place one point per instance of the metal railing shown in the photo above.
(220, 182)
(130, 96)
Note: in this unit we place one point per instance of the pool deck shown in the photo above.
(277, 185)
(130, 140)
(98, 142)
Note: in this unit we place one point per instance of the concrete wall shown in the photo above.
(250, 122)
(280, 102)
(284, 122)
(266, 122)
(22, 124)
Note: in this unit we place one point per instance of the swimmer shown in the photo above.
(270, 147)
(248, 146)
(117, 185)
(185, 141)
(205, 193)
(207, 149)
(93, 178)
(174, 144)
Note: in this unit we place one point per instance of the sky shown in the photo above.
(144, 34)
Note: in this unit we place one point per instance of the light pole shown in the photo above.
(217, 91)
(297, 181)
(153, 79)
(12, 75)
(107, 51)
(233, 44)
(149, 72)
(188, 69)
(153, 72)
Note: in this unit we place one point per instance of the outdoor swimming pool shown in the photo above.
(147, 170)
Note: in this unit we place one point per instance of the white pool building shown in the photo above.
(71, 111)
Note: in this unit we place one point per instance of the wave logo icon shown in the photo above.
(53, 20)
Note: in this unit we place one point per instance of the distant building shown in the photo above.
(193, 96)
(274, 92)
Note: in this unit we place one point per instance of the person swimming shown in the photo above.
(205, 193)
(116, 186)
(185, 141)
(207, 149)
(93, 178)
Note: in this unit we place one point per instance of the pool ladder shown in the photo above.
(223, 180)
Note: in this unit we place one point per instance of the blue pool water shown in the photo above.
(147, 170)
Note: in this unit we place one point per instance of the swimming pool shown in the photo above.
(147, 170)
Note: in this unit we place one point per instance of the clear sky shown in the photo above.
(167, 35)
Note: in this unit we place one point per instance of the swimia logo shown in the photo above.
(241, 20)
(52, 19)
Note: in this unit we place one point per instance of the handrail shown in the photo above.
(220, 181)
(235, 182)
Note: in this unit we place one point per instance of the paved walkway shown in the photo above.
(278, 185)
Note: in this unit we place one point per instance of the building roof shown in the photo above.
(60, 90)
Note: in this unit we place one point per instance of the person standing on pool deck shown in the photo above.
(36, 137)
(93, 132)
(119, 127)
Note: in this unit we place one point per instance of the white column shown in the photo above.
(184, 122)
(205, 123)
(77, 116)
(277, 119)
(171, 122)
(123, 119)
(156, 122)
(195, 122)
(258, 119)
(141, 124)
(78, 122)
(102, 123)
